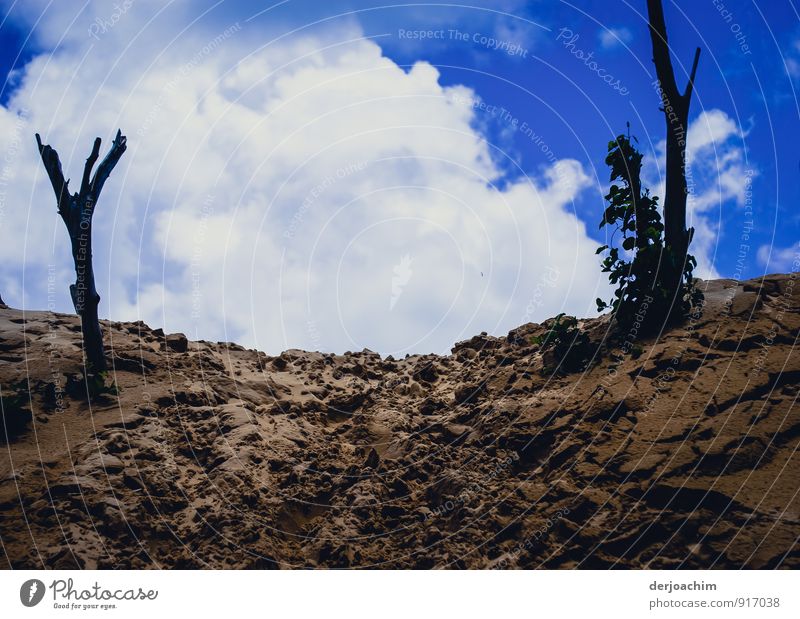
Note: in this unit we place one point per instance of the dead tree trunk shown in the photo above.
(676, 111)
(77, 210)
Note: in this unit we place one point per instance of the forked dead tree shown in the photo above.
(675, 106)
(77, 211)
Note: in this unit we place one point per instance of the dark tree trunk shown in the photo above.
(676, 112)
(76, 211)
(636, 195)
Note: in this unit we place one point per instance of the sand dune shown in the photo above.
(681, 454)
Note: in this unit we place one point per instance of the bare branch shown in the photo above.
(52, 165)
(661, 56)
(690, 86)
(87, 169)
(103, 171)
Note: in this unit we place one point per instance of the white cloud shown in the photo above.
(780, 259)
(792, 59)
(615, 37)
(268, 192)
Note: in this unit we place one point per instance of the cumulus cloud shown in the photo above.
(270, 190)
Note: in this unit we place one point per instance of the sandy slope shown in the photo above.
(217, 456)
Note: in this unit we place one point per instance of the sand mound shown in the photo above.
(680, 454)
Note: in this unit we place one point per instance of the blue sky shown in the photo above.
(521, 96)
